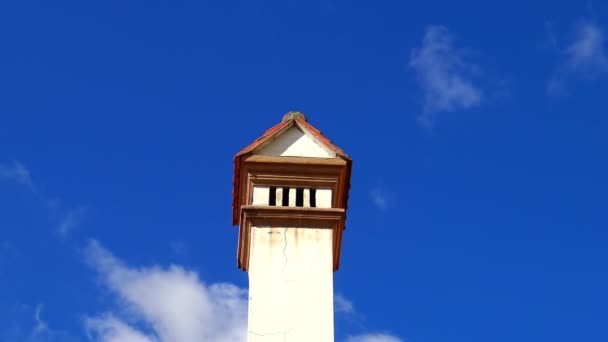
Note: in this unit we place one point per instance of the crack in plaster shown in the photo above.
(271, 334)
(284, 333)
(285, 251)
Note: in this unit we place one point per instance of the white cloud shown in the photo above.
(156, 304)
(443, 74)
(16, 172)
(173, 302)
(374, 338)
(585, 56)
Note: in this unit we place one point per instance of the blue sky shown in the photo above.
(478, 133)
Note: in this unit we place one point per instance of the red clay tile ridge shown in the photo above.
(294, 115)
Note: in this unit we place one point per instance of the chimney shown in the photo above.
(290, 198)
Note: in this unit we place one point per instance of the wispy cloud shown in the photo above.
(16, 172)
(584, 57)
(26, 324)
(69, 217)
(586, 53)
(551, 40)
(374, 338)
(40, 327)
(8, 251)
(446, 79)
(343, 305)
(179, 248)
(71, 220)
(345, 308)
(380, 197)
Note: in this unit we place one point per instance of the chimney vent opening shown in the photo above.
(272, 196)
(285, 199)
(299, 197)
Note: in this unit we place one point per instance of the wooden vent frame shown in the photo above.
(318, 173)
(297, 217)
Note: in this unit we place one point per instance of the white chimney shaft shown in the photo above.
(291, 189)
(291, 285)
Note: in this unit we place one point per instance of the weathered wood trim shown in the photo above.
(296, 217)
(256, 158)
(307, 172)
(273, 171)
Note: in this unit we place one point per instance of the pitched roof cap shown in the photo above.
(294, 115)
(290, 119)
